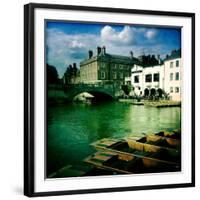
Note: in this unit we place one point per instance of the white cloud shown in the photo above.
(65, 49)
(150, 34)
(123, 37)
(76, 44)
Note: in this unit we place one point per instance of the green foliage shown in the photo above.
(71, 71)
(52, 75)
(126, 89)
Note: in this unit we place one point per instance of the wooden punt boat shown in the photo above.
(131, 147)
(117, 163)
(175, 134)
(164, 141)
(161, 141)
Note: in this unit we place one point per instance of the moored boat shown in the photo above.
(119, 164)
(160, 141)
(144, 146)
(160, 152)
(175, 134)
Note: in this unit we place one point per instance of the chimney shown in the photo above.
(98, 50)
(131, 54)
(103, 50)
(90, 54)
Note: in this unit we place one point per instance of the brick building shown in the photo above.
(104, 67)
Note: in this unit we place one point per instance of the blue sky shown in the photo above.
(69, 42)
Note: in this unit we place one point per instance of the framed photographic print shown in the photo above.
(108, 98)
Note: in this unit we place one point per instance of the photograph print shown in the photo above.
(113, 99)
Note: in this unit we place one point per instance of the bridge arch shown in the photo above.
(98, 95)
(99, 92)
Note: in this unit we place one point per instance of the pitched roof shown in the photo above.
(112, 58)
(122, 59)
(130, 61)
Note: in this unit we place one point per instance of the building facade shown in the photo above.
(172, 74)
(163, 78)
(147, 80)
(106, 67)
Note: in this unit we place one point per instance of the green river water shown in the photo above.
(72, 127)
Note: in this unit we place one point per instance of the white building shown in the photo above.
(172, 76)
(154, 80)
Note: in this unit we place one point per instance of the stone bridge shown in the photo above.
(98, 90)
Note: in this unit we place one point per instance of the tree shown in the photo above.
(126, 89)
(52, 74)
(74, 70)
(70, 73)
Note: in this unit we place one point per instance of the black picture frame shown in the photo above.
(29, 82)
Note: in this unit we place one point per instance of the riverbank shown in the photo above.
(163, 103)
(131, 101)
(157, 104)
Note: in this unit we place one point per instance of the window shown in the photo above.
(156, 77)
(103, 75)
(114, 75)
(177, 89)
(121, 66)
(171, 64)
(177, 76)
(171, 76)
(177, 63)
(171, 90)
(136, 79)
(121, 75)
(148, 78)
